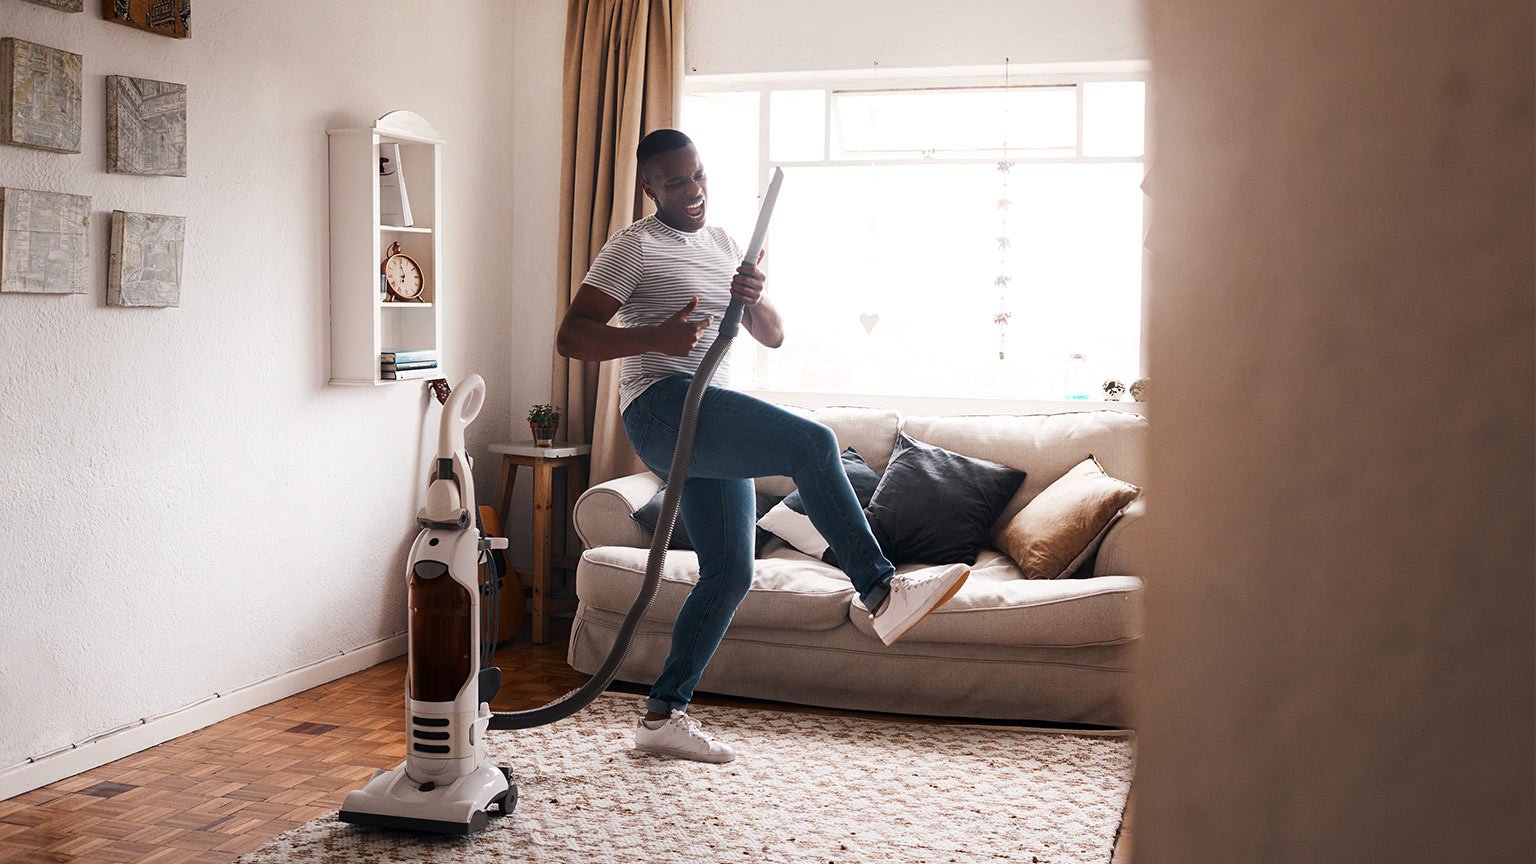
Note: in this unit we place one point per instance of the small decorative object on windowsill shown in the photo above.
(1113, 390)
(1139, 389)
(543, 421)
(1075, 380)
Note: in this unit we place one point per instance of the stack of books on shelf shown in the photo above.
(401, 365)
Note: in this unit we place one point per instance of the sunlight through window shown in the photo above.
(892, 254)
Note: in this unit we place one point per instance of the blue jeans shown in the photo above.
(739, 438)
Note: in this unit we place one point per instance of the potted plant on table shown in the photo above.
(544, 421)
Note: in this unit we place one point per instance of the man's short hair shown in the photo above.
(658, 142)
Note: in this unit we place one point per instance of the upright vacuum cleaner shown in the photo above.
(447, 784)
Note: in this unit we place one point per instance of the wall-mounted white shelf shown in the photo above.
(362, 324)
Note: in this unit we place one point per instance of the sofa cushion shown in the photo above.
(1057, 531)
(1045, 445)
(787, 519)
(789, 590)
(997, 606)
(871, 431)
(937, 506)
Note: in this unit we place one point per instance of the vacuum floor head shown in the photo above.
(393, 800)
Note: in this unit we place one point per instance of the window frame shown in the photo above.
(1015, 76)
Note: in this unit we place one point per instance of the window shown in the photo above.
(900, 240)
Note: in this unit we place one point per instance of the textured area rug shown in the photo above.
(804, 787)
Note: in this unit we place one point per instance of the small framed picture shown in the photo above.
(40, 90)
(45, 244)
(144, 268)
(146, 127)
(63, 5)
(166, 17)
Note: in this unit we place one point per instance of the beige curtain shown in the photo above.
(623, 79)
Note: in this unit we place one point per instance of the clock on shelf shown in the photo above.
(403, 277)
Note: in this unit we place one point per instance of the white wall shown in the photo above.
(1340, 655)
(188, 507)
(747, 36)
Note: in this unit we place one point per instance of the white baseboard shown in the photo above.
(114, 745)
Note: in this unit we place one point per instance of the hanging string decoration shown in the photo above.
(1004, 170)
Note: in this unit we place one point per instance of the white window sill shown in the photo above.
(944, 405)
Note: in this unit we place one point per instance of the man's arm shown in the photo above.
(585, 334)
(763, 322)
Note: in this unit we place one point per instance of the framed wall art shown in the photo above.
(167, 17)
(63, 5)
(40, 91)
(146, 127)
(144, 268)
(45, 242)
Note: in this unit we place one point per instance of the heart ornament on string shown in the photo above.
(870, 322)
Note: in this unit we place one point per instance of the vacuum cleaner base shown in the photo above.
(393, 800)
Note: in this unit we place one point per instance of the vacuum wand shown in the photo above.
(732, 319)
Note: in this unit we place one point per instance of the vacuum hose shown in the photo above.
(682, 459)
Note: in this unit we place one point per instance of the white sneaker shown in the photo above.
(913, 595)
(680, 736)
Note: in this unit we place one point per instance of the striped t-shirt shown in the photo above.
(653, 270)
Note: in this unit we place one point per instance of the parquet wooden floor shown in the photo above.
(214, 794)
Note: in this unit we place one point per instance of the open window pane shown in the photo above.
(1114, 118)
(955, 123)
(797, 125)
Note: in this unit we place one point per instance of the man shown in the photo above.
(668, 278)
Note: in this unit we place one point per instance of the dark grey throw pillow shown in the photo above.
(650, 513)
(788, 520)
(935, 506)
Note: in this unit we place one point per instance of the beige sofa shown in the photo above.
(1005, 647)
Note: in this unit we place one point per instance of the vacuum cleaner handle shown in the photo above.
(682, 459)
(462, 408)
(731, 322)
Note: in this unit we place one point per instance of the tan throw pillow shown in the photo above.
(1056, 532)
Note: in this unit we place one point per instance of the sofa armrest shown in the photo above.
(1124, 550)
(602, 513)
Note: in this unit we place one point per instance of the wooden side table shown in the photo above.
(544, 460)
